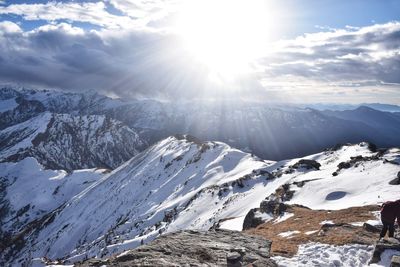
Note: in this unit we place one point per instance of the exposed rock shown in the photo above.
(251, 221)
(272, 206)
(193, 248)
(308, 164)
(395, 261)
(372, 147)
(372, 228)
(382, 245)
(356, 161)
(396, 181)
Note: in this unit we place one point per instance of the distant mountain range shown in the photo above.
(143, 174)
(341, 107)
(270, 132)
(64, 141)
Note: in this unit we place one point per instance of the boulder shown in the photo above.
(395, 261)
(371, 228)
(308, 164)
(272, 206)
(344, 165)
(396, 181)
(381, 246)
(251, 221)
(195, 248)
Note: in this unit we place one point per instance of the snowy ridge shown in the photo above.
(18, 138)
(176, 184)
(363, 182)
(269, 131)
(31, 192)
(63, 141)
(183, 183)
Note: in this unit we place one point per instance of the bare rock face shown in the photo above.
(194, 248)
(307, 164)
(381, 246)
(395, 261)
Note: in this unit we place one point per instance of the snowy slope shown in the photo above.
(63, 141)
(8, 104)
(176, 184)
(182, 183)
(29, 191)
(364, 182)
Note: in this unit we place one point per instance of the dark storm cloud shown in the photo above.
(127, 63)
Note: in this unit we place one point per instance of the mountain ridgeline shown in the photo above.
(179, 183)
(268, 131)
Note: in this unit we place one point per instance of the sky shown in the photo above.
(308, 51)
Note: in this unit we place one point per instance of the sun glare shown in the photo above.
(226, 35)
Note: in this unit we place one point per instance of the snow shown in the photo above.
(359, 224)
(263, 216)
(317, 254)
(374, 222)
(284, 217)
(177, 184)
(326, 222)
(311, 232)
(288, 233)
(235, 224)
(27, 131)
(365, 184)
(43, 190)
(197, 186)
(8, 104)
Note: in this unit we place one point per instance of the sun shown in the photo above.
(226, 35)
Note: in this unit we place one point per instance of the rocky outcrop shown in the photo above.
(395, 261)
(193, 248)
(252, 220)
(396, 181)
(271, 206)
(382, 245)
(307, 164)
(355, 162)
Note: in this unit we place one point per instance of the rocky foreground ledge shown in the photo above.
(194, 248)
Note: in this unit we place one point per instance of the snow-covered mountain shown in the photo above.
(28, 192)
(182, 183)
(176, 184)
(269, 131)
(64, 141)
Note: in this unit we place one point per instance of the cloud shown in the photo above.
(94, 13)
(351, 62)
(145, 8)
(350, 55)
(7, 27)
(124, 63)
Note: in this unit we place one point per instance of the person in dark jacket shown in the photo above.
(390, 211)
